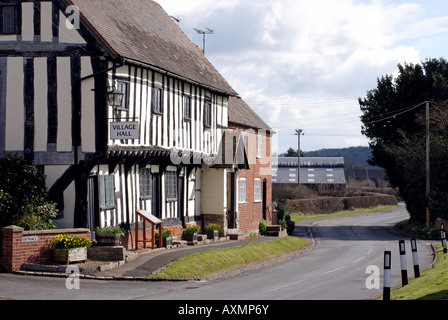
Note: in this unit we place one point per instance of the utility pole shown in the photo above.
(299, 132)
(204, 33)
(428, 167)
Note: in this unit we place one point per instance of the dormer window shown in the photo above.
(8, 21)
(208, 112)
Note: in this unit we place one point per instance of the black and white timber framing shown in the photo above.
(54, 111)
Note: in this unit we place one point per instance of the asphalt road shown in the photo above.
(334, 270)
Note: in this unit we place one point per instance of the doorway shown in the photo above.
(93, 203)
(264, 198)
(231, 219)
(156, 197)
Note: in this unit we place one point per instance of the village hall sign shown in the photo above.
(124, 130)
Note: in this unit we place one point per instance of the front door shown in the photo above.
(180, 199)
(231, 221)
(264, 198)
(156, 203)
(93, 204)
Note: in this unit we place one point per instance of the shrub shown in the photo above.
(290, 224)
(212, 227)
(110, 230)
(262, 226)
(37, 216)
(192, 229)
(23, 196)
(69, 241)
(166, 232)
(422, 231)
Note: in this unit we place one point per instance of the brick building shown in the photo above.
(254, 181)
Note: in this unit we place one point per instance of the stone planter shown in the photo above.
(67, 256)
(167, 242)
(191, 237)
(108, 239)
(213, 234)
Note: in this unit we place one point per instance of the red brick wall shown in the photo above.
(251, 212)
(15, 251)
(128, 240)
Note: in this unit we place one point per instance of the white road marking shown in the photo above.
(289, 285)
(333, 270)
(356, 261)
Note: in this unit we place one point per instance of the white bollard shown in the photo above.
(415, 258)
(404, 271)
(387, 270)
(443, 237)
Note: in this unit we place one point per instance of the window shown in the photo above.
(123, 87)
(9, 20)
(257, 190)
(171, 186)
(145, 180)
(187, 108)
(208, 112)
(242, 191)
(107, 191)
(157, 100)
(259, 142)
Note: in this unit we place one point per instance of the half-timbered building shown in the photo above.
(118, 107)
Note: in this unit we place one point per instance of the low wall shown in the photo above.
(19, 246)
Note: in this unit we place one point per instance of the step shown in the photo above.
(179, 242)
(238, 236)
(277, 228)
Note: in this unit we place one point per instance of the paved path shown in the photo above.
(149, 263)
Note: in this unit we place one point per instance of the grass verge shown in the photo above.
(296, 217)
(213, 262)
(432, 284)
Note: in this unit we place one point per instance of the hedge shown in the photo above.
(335, 204)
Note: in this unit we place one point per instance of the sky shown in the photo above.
(304, 64)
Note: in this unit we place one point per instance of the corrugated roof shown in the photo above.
(309, 162)
(141, 30)
(241, 113)
(309, 175)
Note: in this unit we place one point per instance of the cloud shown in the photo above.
(299, 50)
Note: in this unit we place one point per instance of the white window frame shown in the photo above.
(145, 183)
(208, 112)
(187, 107)
(157, 100)
(257, 190)
(259, 143)
(171, 186)
(242, 188)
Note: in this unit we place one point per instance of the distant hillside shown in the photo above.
(353, 156)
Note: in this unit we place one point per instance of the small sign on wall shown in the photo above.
(30, 239)
(124, 130)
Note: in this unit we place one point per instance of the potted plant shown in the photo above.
(166, 237)
(191, 232)
(109, 236)
(69, 248)
(212, 230)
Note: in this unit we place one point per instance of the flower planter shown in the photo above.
(108, 239)
(213, 234)
(66, 256)
(167, 242)
(191, 237)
